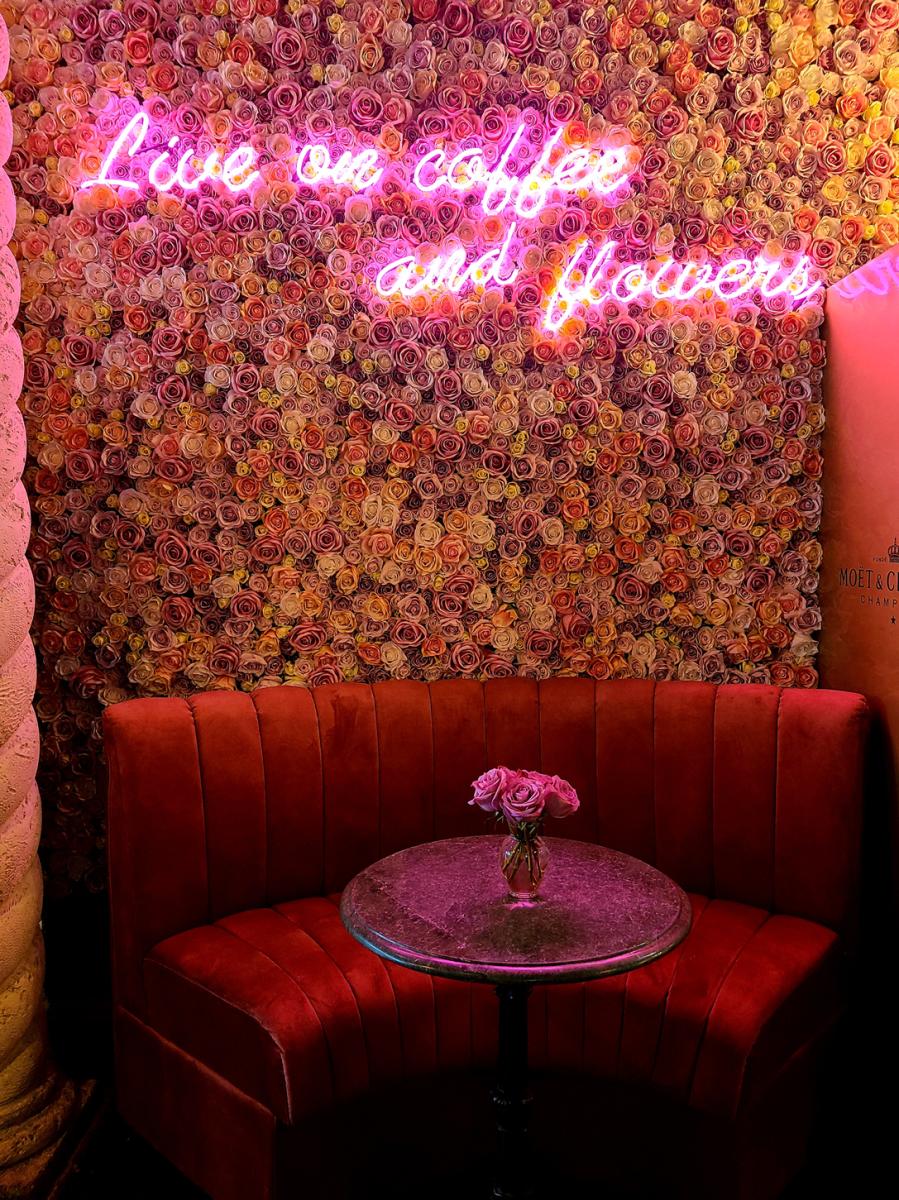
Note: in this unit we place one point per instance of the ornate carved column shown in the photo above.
(35, 1102)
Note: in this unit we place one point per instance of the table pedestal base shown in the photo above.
(513, 1179)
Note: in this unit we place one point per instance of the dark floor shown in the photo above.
(117, 1164)
(849, 1155)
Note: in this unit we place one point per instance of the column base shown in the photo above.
(54, 1131)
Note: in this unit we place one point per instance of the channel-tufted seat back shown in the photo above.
(231, 801)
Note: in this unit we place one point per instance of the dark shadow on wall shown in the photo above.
(78, 985)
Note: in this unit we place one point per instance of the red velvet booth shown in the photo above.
(248, 1021)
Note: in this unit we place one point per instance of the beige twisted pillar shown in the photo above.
(35, 1102)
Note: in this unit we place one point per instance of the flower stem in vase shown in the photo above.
(523, 858)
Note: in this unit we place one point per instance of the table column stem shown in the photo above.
(511, 1102)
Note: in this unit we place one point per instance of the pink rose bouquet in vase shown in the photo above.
(522, 799)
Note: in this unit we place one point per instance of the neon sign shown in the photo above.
(313, 165)
(516, 181)
(579, 169)
(605, 278)
(446, 272)
(525, 190)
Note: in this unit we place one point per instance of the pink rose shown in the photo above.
(490, 789)
(523, 800)
(559, 796)
(458, 19)
(518, 34)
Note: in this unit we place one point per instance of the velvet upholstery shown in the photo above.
(235, 819)
(287, 1007)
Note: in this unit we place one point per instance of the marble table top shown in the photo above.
(442, 908)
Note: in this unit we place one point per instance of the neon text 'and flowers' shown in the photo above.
(502, 186)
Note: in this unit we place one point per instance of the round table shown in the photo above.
(443, 908)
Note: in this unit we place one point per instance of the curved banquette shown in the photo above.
(249, 1023)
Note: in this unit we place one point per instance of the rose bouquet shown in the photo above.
(523, 799)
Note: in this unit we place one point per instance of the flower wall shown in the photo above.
(248, 466)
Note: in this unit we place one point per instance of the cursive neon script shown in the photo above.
(588, 285)
(523, 189)
(511, 185)
(579, 169)
(447, 272)
(314, 165)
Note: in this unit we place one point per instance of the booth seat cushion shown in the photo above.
(289, 1008)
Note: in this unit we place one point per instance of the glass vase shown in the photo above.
(523, 858)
